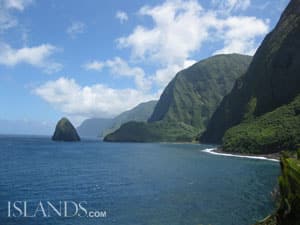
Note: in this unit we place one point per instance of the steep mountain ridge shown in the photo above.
(191, 97)
(271, 81)
(188, 101)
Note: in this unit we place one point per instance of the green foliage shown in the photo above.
(140, 113)
(188, 101)
(65, 131)
(271, 81)
(153, 132)
(289, 182)
(274, 131)
(288, 212)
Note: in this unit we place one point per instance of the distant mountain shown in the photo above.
(94, 127)
(140, 113)
(98, 127)
(65, 131)
(263, 110)
(188, 101)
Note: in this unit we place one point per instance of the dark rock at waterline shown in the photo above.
(65, 131)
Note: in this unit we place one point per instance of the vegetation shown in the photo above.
(288, 212)
(273, 132)
(153, 132)
(272, 81)
(140, 113)
(188, 102)
(65, 131)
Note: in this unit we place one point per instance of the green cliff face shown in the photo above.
(271, 81)
(65, 131)
(192, 96)
(188, 101)
(288, 212)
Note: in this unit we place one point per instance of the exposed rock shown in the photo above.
(65, 131)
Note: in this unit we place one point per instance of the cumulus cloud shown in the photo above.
(182, 27)
(7, 8)
(176, 32)
(122, 16)
(239, 34)
(16, 4)
(75, 29)
(164, 75)
(93, 65)
(120, 67)
(38, 56)
(179, 30)
(89, 101)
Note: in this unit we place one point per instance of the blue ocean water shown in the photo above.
(135, 184)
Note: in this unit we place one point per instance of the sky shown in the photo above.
(91, 58)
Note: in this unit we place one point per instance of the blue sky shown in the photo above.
(93, 58)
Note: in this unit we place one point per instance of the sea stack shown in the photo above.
(65, 131)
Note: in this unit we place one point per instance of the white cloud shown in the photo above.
(76, 28)
(239, 34)
(7, 18)
(175, 35)
(16, 4)
(165, 75)
(180, 28)
(228, 6)
(94, 65)
(38, 56)
(122, 16)
(119, 67)
(89, 101)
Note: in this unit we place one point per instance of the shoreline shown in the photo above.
(216, 151)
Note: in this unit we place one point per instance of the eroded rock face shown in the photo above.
(188, 102)
(272, 81)
(65, 131)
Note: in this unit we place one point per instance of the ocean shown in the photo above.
(93, 183)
